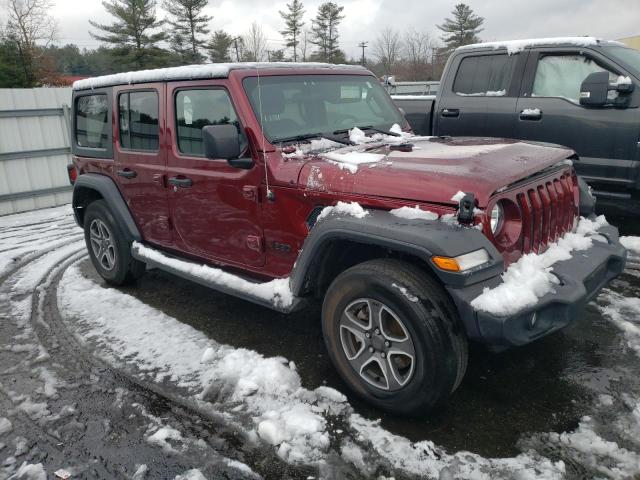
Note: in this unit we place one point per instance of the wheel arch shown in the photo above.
(90, 187)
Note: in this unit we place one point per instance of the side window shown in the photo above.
(484, 75)
(92, 125)
(198, 108)
(562, 76)
(138, 120)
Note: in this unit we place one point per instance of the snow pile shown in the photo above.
(515, 46)
(533, 112)
(624, 312)
(351, 160)
(343, 208)
(458, 196)
(30, 472)
(311, 146)
(359, 137)
(622, 80)
(631, 243)
(489, 93)
(415, 213)
(193, 474)
(276, 291)
(5, 426)
(531, 277)
(192, 72)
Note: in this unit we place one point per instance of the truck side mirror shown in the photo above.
(594, 88)
(223, 141)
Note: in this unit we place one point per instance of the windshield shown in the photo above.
(627, 56)
(295, 106)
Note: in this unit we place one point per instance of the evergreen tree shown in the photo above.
(293, 26)
(189, 25)
(12, 74)
(463, 29)
(219, 47)
(133, 34)
(324, 30)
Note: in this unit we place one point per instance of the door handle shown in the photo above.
(531, 114)
(180, 182)
(450, 112)
(126, 173)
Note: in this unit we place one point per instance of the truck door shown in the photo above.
(215, 208)
(479, 94)
(140, 162)
(549, 110)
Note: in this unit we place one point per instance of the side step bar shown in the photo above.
(275, 294)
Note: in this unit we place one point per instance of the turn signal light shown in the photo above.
(446, 263)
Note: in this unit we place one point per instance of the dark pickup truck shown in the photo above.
(577, 92)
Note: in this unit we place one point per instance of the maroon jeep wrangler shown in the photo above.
(279, 183)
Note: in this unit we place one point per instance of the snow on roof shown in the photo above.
(515, 46)
(193, 72)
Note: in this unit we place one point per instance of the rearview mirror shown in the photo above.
(223, 141)
(594, 88)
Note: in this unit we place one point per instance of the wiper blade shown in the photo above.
(367, 127)
(308, 136)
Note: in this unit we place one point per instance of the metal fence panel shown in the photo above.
(34, 148)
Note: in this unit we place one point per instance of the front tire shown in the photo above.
(109, 250)
(394, 336)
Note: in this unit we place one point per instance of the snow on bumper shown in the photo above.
(578, 280)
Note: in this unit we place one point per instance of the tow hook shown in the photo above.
(465, 208)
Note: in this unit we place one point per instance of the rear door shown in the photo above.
(479, 94)
(215, 208)
(549, 110)
(140, 162)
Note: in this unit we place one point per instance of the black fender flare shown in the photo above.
(108, 190)
(419, 238)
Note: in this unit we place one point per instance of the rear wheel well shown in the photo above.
(338, 255)
(82, 198)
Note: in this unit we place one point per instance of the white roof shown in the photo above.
(515, 46)
(192, 72)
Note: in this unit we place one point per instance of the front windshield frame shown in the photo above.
(313, 82)
(625, 56)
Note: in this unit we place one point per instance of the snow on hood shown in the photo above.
(435, 170)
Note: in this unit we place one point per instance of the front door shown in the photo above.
(549, 110)
(140, 162)
(215, 208)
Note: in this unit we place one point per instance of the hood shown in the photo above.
(433, 171)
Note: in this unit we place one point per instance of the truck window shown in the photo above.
(484, 75)
(91, 121)
(198, 108)
(562, 75)
(138, 125)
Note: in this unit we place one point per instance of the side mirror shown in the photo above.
(223, 141)
(594, 88)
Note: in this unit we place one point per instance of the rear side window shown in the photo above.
(91, 122)
(196, 109)
(562, 76)
(485, 75)
(138, 120)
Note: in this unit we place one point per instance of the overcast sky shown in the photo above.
(504, 19)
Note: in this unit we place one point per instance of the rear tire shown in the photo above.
(377, 317)
(109, 250)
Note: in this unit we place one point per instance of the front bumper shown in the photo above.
(581, 278)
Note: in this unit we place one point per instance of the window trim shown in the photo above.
(92, 152)
(513, 59)
(179, 153)
(127, 92)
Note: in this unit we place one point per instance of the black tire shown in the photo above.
(124, 268)
(431, 321)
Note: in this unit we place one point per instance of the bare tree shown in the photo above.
(387, 48)
(31, 27)
(305, 40)
(255, 43)
(417, 49)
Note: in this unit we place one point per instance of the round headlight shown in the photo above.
(496, 218)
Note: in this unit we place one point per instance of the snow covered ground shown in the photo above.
(51, 301)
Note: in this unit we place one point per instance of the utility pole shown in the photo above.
(363, 45)
(235, 42)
